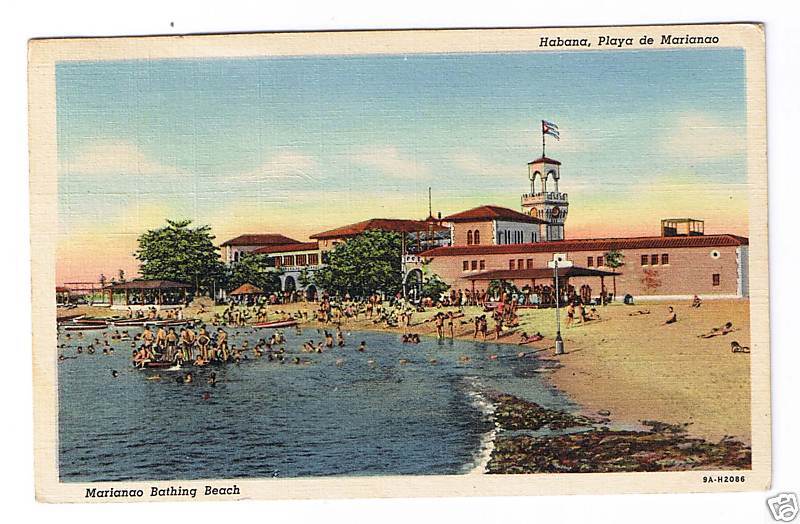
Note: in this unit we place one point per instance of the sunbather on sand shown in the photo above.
(738, 348)
(718, 331)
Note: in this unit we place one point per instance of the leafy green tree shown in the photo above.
(433, 287)
(180, 253)
(614, 259)
(368, 263)
(304, 278)
(497, 288)
(256, 269)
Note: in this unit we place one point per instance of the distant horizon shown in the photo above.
(301, 145)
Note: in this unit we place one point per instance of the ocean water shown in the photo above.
(265, 419)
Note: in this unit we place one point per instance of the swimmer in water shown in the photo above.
(363, 346)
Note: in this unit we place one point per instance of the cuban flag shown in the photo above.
(549, 128)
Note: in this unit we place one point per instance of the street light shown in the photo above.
(558, 259)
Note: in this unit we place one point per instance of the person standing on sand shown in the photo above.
(570, 314)
(477, 323)
(498, 328)
(450, 327)
(484, 327)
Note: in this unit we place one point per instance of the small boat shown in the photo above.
(158, 365)
(69, 318)
(84, 327)
(90, 321)
(276, 324)
(130, 322)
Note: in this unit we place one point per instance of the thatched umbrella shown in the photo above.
(247, 289)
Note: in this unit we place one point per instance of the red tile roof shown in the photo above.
(259, 239)
(492, 213)
(545, 159)
(148, 284)
(288, 248)
(380, 224)
(592, 244)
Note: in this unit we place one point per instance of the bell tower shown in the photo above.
(545, 201)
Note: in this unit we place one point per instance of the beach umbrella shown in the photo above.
(247, 289)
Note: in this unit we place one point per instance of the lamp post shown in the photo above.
(558, 258)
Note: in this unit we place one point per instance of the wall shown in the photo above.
(688, 272)
(459, 232)
(525, 228)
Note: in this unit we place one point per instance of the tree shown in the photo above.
(433, 287)
(366, 264)
(501, 289)
(180, 253)
(253, 269)
(304, 278)
(121, 274)
(614, 259)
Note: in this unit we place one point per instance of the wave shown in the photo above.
(479, 401)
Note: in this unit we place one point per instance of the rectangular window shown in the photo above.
(466, 265)
(301, 260)
(520, 263)
(644, 260)
(715, 279)
(653, 260)
(599, 261)
(511, 264)
(288, 260)
(529, 263)
(474, 265)
(590, 262)
(313, 259)
(664, 259)
(483, 264)
(277, 261)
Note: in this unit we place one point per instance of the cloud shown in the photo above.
(703, 138)
(286, 165)
(114, 157)
(390, 162)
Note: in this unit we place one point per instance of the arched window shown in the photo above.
(477, 237)
(469, 237)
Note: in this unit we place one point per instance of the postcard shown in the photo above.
(400, 263)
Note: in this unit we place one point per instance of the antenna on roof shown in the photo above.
(430, 206)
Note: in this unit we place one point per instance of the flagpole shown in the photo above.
(543, 133)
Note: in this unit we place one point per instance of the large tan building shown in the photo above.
(658, 266)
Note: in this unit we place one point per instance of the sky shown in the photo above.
(299, 145)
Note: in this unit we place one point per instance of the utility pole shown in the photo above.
(558, 258)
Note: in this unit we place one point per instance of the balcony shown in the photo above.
(548, 195)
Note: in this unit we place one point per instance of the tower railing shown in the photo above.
(549, 195)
